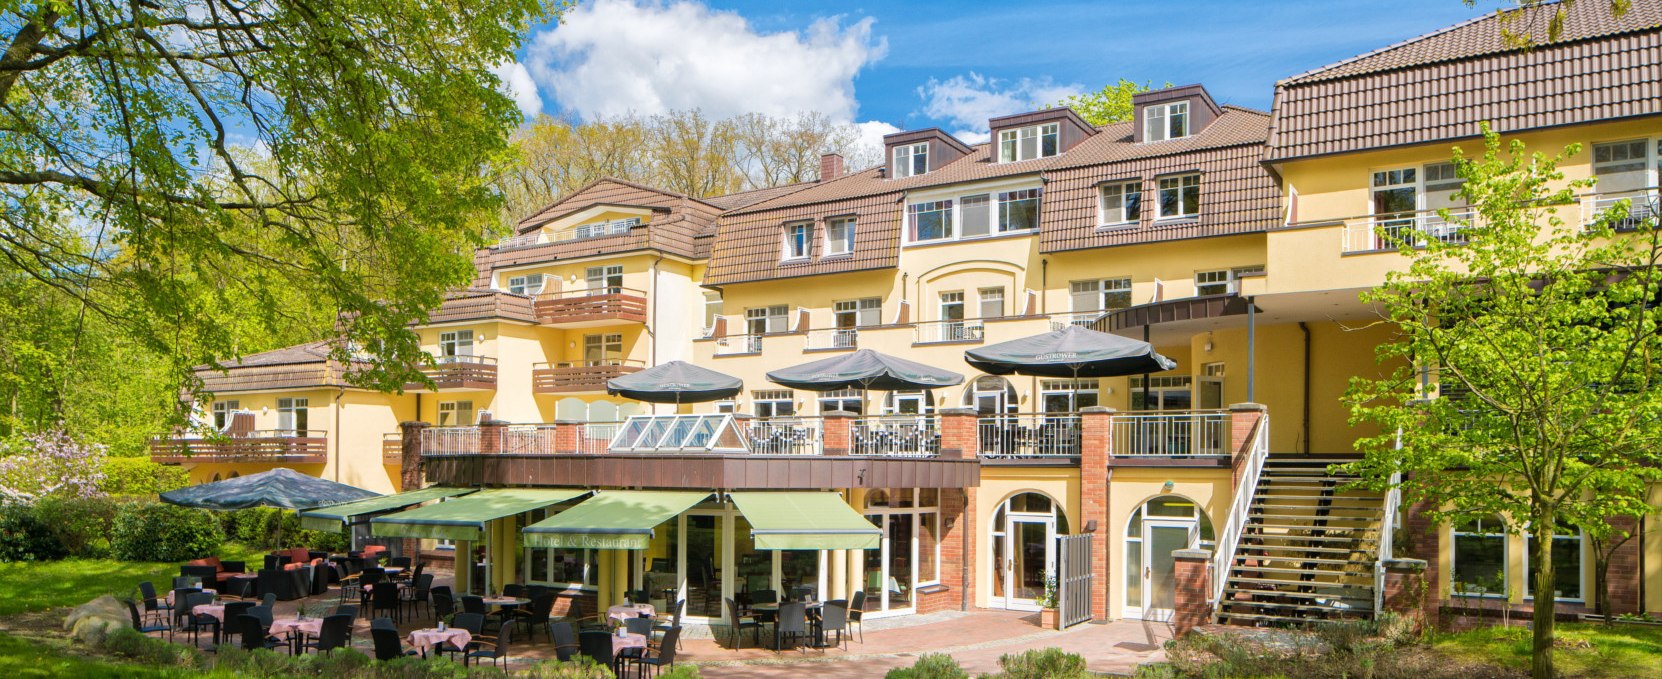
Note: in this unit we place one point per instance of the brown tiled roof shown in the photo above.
(747, 246)
(734, 201)
(300, 366)
(1441, 85)
(480, 304)
(310, 352)
(608, 191)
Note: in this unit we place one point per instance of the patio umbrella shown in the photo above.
(1073, 351)
(280, 487)
(675, 382)
(864, 370)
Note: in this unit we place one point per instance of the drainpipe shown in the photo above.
(1252, 350)
(1044, 285)
(1303, 327)
(967, 556)
(652, 328)
(339, 394)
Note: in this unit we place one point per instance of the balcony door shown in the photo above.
(605, 349)
(991, 395)
(455, 346)
(604, 280)
(1023, 538)
(293, 415)
(1161, 526)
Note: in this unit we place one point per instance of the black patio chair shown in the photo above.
(663, 627)
(641, 626)
(833, 617)
(661, 657)
(196, 622)
(444, 604)
(488, 648)
(420, 592)
(565, 640)
(387, 644)
(597, 645)
(255, 634)
(538, 614)
(856, 611)
(385, 598)
(234, 610)
(792, 624)
(154, 607)
(740, 623)
(474, 623)
(144, 627)
(336, 629)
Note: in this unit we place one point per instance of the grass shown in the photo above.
(27, 587)
(24, 659)
(1584, 649)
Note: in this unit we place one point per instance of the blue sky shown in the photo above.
(906, 65)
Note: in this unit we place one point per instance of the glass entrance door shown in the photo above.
(1162, 536)
(1025, 553)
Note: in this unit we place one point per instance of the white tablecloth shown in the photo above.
(425, 640)
(312, 626)
(621, 613)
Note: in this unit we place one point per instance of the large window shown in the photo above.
(1180, 197)
(292, 414)
(456, 413)
(974, 216)
(1027, 143)
(952, 306)
(911, 160)
(846, 400)
(560, 567)
(603, 349)
(1479, 558)
(455, 343)
(839, 236)
(1166, 121)
(1018, 210)
(1120, 203)
(991, 301)
(712, 311)
(773, 402)
(855, 313)
(977, 215)
(604, 279)
(930, 221)
(1103, 295)
(529, 284)
(766, 320)
(796, 240)
(1621, 166)
(222, 413)
(1067, 396)
(1213, 283)
(1567, 555)
(909, 555)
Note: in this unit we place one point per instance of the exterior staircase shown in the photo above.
(1308, 550)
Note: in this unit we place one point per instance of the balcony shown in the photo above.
(1083, 319)
(738, 345)
(942, 332)
(392, 448)
(579, 377)
(272, 445)
(831, 339)
(459, 372)
(1015, 436)
(591, 308)
(1384, 233)
(1170, 434)
(1641, 206)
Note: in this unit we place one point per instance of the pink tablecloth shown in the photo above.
(425, 639)
(627, 641)
(621, 613)
(215, 610)
(311, 626)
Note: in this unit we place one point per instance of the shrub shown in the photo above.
(151, 531)
(80, 524)
(581, 668)
(268, 528)
(681, 672)
(1043, 663)
(24, 537)
(138, 476)
(130, 644)
(930, 666)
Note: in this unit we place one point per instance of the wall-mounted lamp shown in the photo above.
(1090, 526)
(1208, 342)
(1167, 487)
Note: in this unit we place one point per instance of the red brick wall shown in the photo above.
(1406, 588)
(957, 524)
(960, 437)
(1190, 609)
(1624, 570)
(410, 470)
(1094, 456)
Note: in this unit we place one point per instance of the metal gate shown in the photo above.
(1073, 594)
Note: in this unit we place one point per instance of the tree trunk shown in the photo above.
(1601, 581)
(1541, 547)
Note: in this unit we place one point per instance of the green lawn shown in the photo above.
(1584, 649)
(21, 658)
(26, 587)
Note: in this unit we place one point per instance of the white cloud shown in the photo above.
(615, 57)
(872, 133)
(517, 84)
(969, 101)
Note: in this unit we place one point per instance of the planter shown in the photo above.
(1048, 618)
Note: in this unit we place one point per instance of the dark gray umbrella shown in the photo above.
(279, 487)
(1073, 351)
(864, 369)
(675, 382)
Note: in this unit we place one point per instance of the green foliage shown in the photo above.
(129, 644)
(81, 524)
(930, 666)
(1546, 345)
(580, 668)
(24, 537)
(152, 531)
(138, 476)
(1043, 663)
(1111, 104)
(271, 528)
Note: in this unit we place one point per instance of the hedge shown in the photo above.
(151, 531)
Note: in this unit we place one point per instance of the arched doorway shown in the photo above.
(1159, 527)
(991, 395)
(1023, 538)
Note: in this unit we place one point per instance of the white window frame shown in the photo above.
(949, 299)
(526, 284)
(907, 157)
(610, 345)
(1581, 568)
(712, 311)
(599, 279)
(834, 400)
(1505, 561)
(991, 202)
(799, 238)
(772, 398)
(1224, 277)
(839, 236)
(866, 311)
(1182, 184)
(1158, 120)
(1072, 389)
(455, 343)
(1010, 142)
(222, 411)
(1099, 289)
(293, 414)
(1009, 198)
(1120, 193)
(775, 319)
(946, 207)
(460, 413)
(991, 294)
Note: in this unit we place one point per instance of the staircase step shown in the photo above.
(1258, 497)
(1265, 488)
(1302, 548)
(1300, 459)
(1302, 607)
(1315, 584)
(1329, 508)
(1301, 559)
(1255, 514)
(1307, 478)
(1294, 595)
(1312, 538)
(1303, 571)
(1259, 617)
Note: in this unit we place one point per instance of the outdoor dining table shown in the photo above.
(813, 620)
(623, 642)
(215, 610)
(296, 628)
(424, 639)
(204, 591)
(621, 613)
(506, 601)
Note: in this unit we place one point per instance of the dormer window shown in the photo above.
(1027, 143)
(1180, 197)
(911, 160)
(529, 284)
(796, 240)
(1166, 121)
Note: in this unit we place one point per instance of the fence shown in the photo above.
(908, 436)
(969, 330)
(1183, 433)
(1386, 232)
(1642, 207)
(739, 344)
(594, 438)
(1018, 435)
(449, 440)
(832, 338)
(786, 436)
(527, 438)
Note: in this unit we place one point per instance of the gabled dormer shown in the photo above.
(1173, 113)
(920, 152)
(597, 221)
(1039, 134)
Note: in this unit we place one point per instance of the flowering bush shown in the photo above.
(50, 463)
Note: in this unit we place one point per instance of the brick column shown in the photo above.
(957, 547)
(1405, 588)
(1190, 609)
(1624, 570)
(1095, 455)
(490, 436)
(1419, 539)
(565, 436)
(838, 436)
(960, 435)
(1243, 419)
(410, 471)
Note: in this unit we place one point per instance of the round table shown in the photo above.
(621, 613)
(424, 639)
(627, 641)
(215, 610)
(506, 601)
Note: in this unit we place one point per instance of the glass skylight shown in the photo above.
(709, 433)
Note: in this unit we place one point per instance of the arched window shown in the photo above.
(991, 395)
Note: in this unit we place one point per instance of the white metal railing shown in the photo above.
(519, 241)
(450, 440)
(786, 436)
(1642, 207)
(615, 227)
(1386, 232)
(1387, 535)
(526, 438)
(967, 330)
(905, 436)
(832, 338)
(595, 438)
(1018, 435)
(1230, 536)
(732, 345)
(1181, 433)
(1080, 318)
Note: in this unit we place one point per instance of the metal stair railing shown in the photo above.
(1387, 535)
(1224, 558)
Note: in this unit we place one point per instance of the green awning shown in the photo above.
(613, 519)
(464, 518)
(805, 520)
(334, 518)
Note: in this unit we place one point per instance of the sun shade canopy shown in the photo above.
(708, 433)
(464, 518)
(805, 520)
(280, 487)
(614, 519)
(864, 369)
(675, 382)
(334, 518)
(1073, 351)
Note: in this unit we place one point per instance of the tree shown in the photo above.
(1529, 21)
(48, 464)
(693, 154)
(775, 151)
(182, 169)
(1111, 104)
(1542, 336)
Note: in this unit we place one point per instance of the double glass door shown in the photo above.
(1023, 556)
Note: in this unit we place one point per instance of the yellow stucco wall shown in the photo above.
(1131, 487)
(1060, 484)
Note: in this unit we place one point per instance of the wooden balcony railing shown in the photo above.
(392, 448)
(576, 377)
(274, 445)
(460, 372)
(585, 308)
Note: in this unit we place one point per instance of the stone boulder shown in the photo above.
(91, 621)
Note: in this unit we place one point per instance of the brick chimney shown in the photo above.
(830, 166)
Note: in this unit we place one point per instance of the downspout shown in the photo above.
(652, 328)
(1044, 286)
(340, 393)
(967, 556)
(1306, 421)
(1252, 349)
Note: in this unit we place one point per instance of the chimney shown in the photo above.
(830, 166)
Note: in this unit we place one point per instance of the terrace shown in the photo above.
(268, 445)
(590, 308)
(579, 377)
(459, 372)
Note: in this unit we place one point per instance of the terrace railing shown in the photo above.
(1384, 232)
(1085, 319)
(526, 438)
(1029, 435)
(734, 345)
(832, 338)
(786, 436)
(452, 440)
(268, 445)
(1258, 450)
(966, 330)
(594, 438)
(1642, 206)
(905, 436)
(1176, 433)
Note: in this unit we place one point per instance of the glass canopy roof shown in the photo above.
(708, 433)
